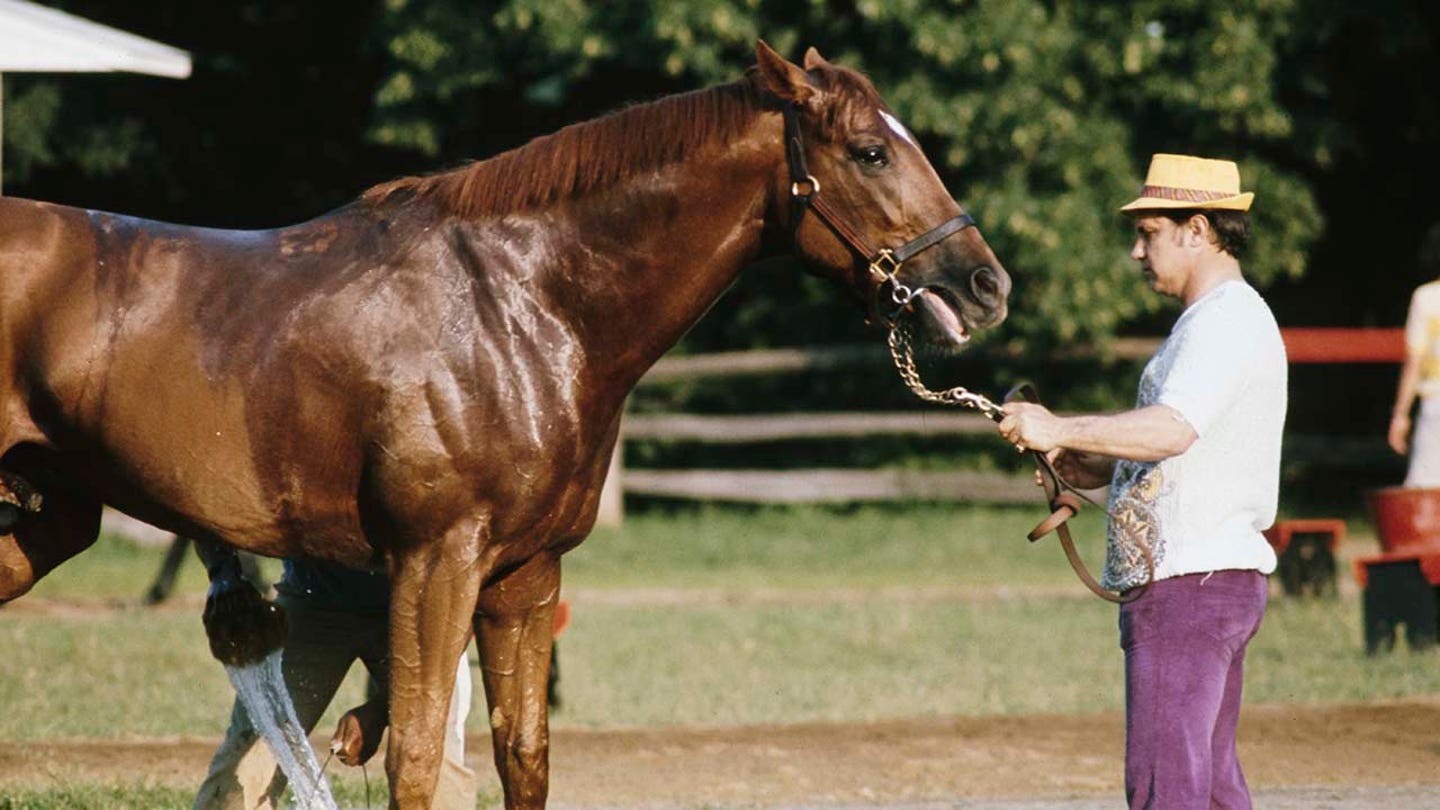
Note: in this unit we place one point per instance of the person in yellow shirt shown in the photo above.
(1420, 376)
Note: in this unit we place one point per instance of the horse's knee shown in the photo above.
(523, 752)
(531, 755)
(414, 775)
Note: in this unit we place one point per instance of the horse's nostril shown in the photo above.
(985, 283)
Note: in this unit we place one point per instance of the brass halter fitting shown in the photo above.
(886, 268)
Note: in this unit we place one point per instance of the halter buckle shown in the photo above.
(808, 180)
(885, 264)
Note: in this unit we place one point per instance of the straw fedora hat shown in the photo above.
(1185, 182)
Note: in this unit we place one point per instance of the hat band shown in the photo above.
(1184, 194)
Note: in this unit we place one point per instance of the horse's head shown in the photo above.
(868, 209)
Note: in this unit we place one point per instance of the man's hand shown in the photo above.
(1030, 427)
(1081, 470)
(357, 738)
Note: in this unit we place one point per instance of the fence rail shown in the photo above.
(825, 358)
(811, 485)
(776, 427)
(1304, 345)
(832, 485)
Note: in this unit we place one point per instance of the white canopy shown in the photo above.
(34, 38)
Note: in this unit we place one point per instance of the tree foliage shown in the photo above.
(1039, 114)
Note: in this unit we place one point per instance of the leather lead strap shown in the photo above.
(1064, 501)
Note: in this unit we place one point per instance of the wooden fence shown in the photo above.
(816, 485)
(1304, 345)
(808, 485)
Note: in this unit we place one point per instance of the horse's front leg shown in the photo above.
(433, 591)
(515, 632)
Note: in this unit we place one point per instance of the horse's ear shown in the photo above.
(814, 60)
(783, 78)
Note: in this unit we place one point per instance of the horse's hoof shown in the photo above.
(242, 626)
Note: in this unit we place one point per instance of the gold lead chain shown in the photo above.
(903, 354)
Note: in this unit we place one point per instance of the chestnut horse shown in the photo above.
(431, 377)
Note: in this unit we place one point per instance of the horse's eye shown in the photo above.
(873, 156)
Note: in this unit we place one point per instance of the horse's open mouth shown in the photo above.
(945, 316)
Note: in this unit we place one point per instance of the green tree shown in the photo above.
(1039, 115)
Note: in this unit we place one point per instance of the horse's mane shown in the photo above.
(585, 156)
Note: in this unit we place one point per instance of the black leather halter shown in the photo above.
(884, 264)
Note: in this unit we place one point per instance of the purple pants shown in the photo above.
(1184, 643)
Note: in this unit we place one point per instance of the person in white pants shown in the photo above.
(336, 617)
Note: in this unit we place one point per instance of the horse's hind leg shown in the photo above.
(433, 593)
(515, 632)
(67, 523)
(164, 583)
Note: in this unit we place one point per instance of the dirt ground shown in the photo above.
(1352, 757)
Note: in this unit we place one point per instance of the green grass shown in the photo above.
(1313, 651)
(809, 548)
(348, 792)
(90, 797)
(703, 616)
(789, 548)
(117, 571)
(800, 548)
(871, 659)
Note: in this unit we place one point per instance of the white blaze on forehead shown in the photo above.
(898, 128)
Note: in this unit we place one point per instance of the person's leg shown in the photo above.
(318, 651)
(321, 647)
(456, 788)
(241, 762)
(1179, 640)
(1228, 790)
(1424, 466)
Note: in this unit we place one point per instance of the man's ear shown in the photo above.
(1198, 231)
(781, 77)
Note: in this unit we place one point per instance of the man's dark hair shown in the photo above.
(1231, 228)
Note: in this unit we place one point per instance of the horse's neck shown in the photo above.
(651, 256)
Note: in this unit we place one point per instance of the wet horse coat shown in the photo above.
(431, 378)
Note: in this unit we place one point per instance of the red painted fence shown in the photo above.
(1326, 345)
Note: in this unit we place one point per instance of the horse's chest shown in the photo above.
(520, 459)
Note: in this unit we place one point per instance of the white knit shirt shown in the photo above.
(1223, 369)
